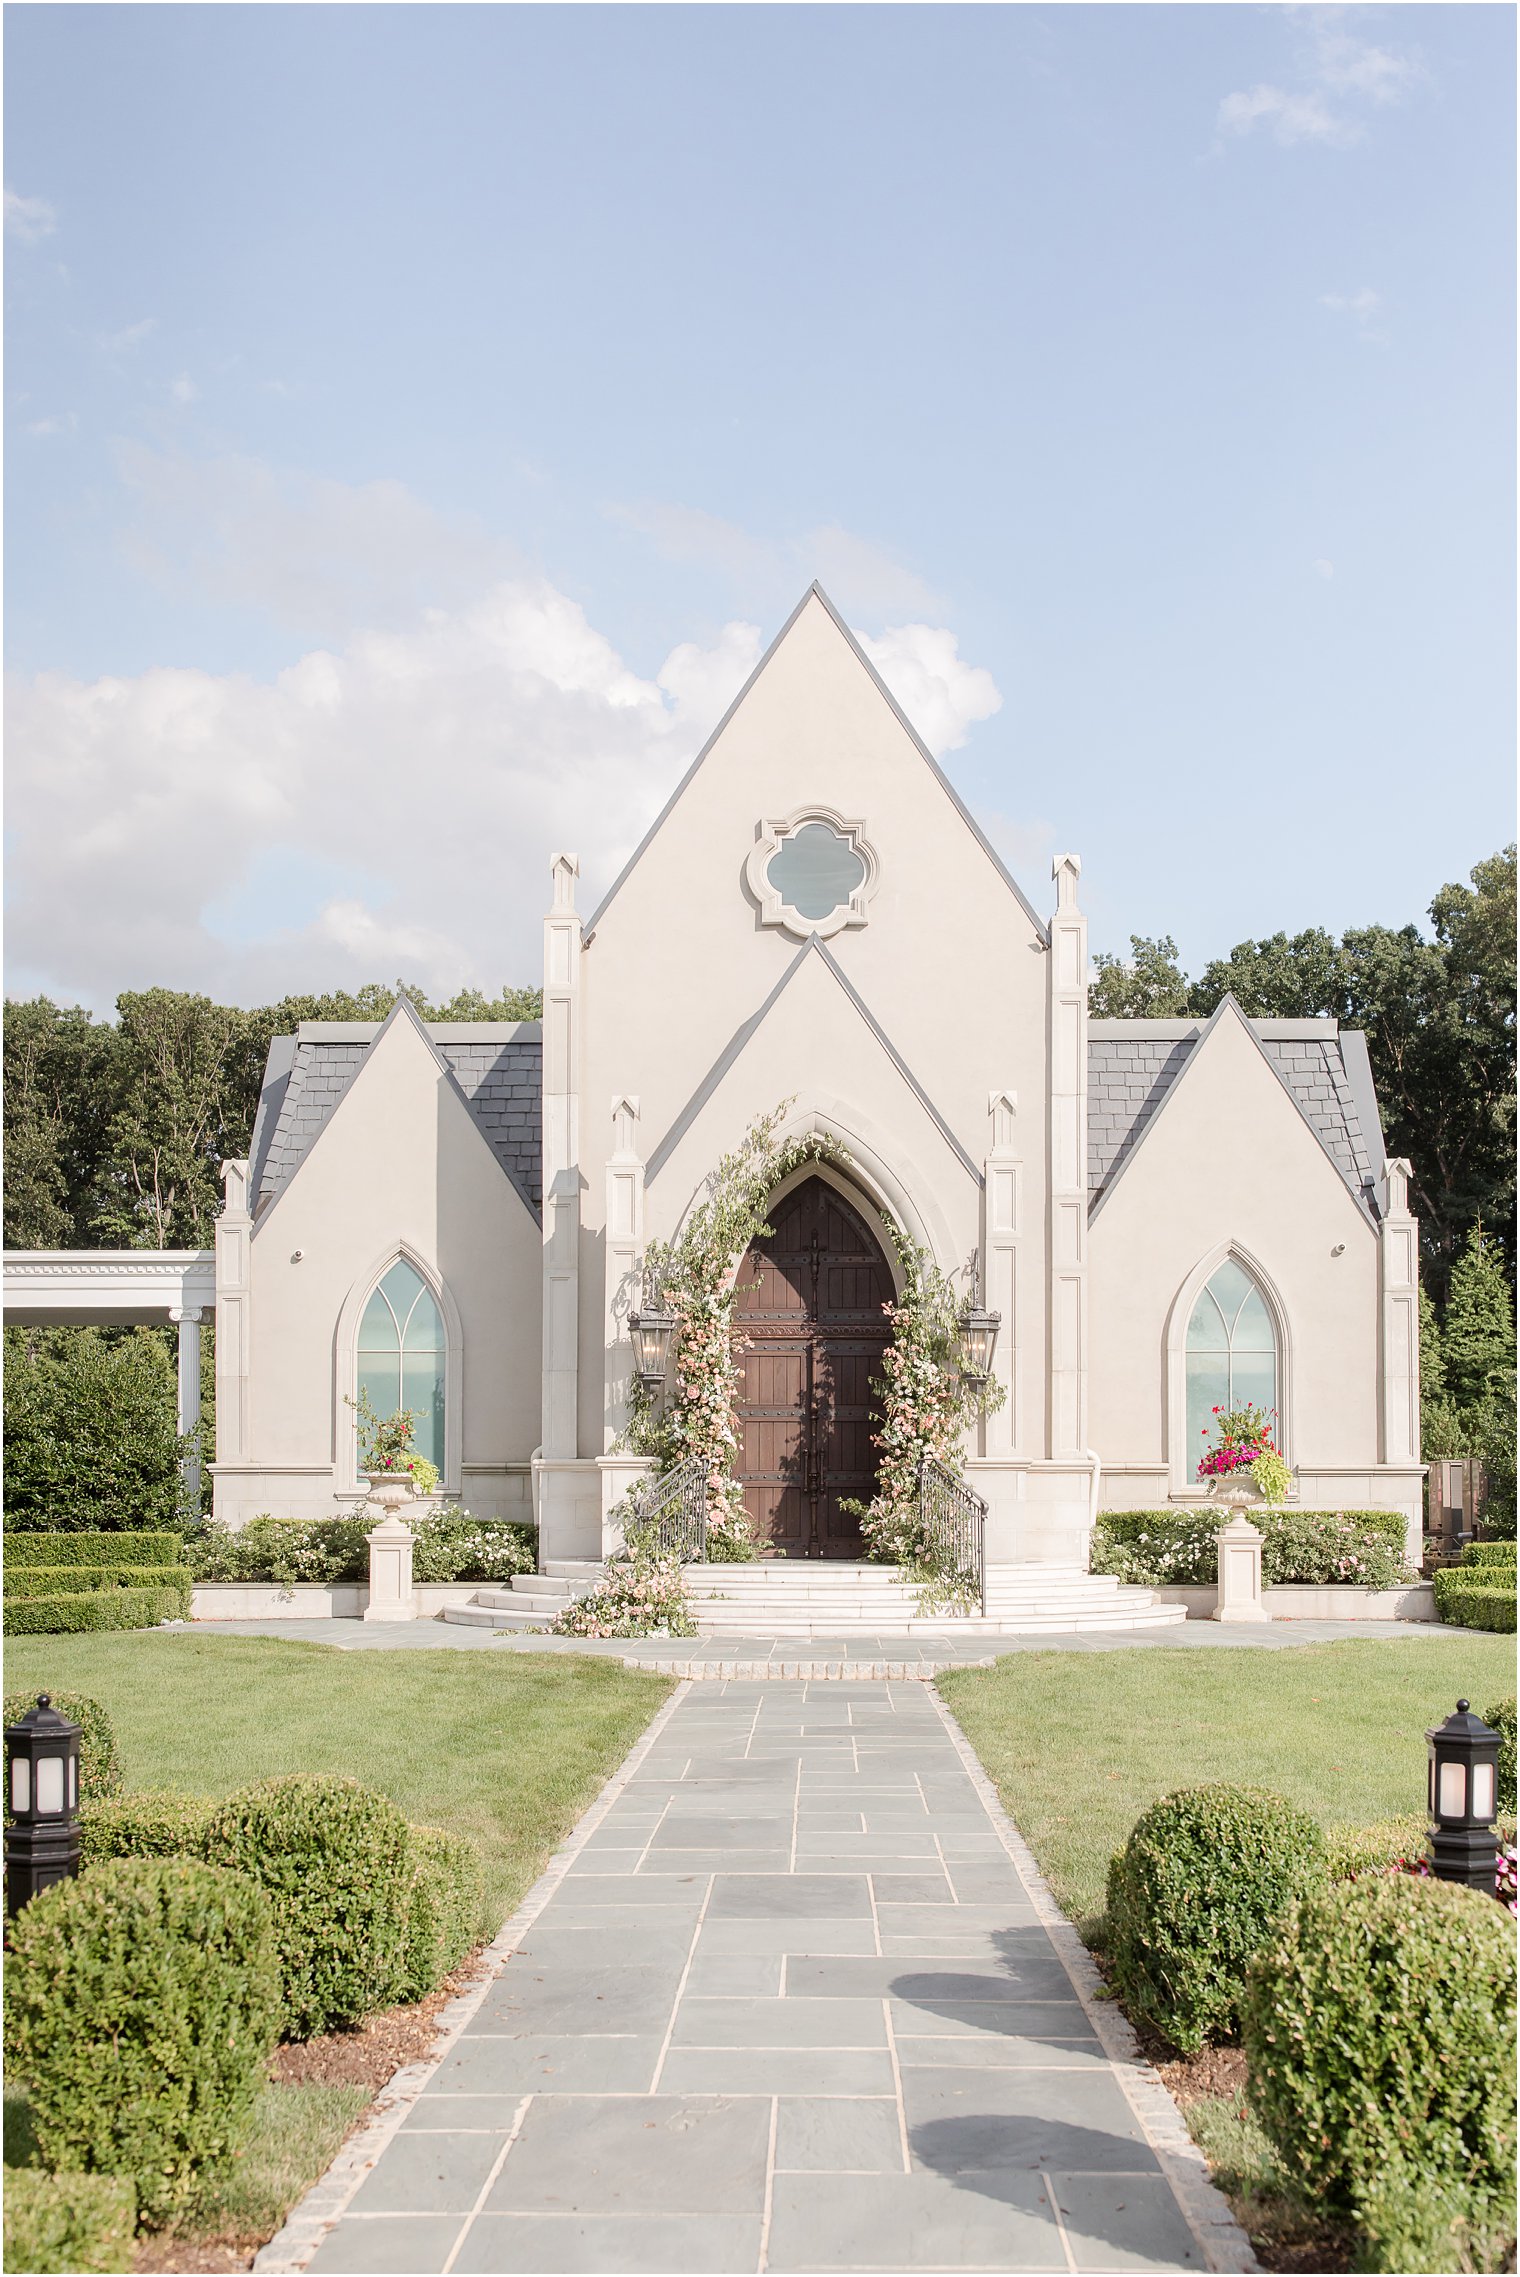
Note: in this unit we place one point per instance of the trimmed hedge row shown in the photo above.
(70, 1613)
(93, 1549)
(1490, 1553)
(1379, 2034)
(64, 2222)
(74, 1580)
(149, 1824)
(99, 1766)
(1469, 1602)
(447, 1545)
(444, 1912)
(142, 2006)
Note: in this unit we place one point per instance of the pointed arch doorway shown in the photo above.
(810, 1308)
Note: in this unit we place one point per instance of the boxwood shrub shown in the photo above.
(71, 1613)
(1470, 1600)
(444, 1911)
(1205, 1877)
(142, 2003)
(77, 1549)
(1490, 1554)
(1177, 1549)
(1502, 1717)
(99, 1765)
(1353, 1850)
(58, 2222)
(152, 1824)
(73, 1580)
(333, 1857)
(1379, 2031)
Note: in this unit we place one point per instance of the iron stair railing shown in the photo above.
(674, 1505)
(954, 1520)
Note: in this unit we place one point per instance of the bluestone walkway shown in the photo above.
(796, 2001)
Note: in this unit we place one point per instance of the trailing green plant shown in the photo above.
(58, 2222)
(91, 1434)
(695, 1276)
(923, 1405)
(150, 1823)
(141, 2007)
(1471, 1600)
(1206, 1875)
(332, 1856)
(641, 1593)
(385, 1442)
(1379, 2026)
(72, 1614)
(1177, 1548)
(99, 1763)
(444, 1911)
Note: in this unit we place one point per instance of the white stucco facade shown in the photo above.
(932, 1020)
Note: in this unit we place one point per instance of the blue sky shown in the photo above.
(418, 418)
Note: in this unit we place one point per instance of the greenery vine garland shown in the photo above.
(924, 1401)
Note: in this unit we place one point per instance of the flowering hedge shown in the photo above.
(447, 1545)
(1176, 1548)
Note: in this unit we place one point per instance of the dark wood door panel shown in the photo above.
(810, 1306)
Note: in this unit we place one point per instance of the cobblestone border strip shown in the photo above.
(810, 1671)
(1205, 2209)
(308, 2222)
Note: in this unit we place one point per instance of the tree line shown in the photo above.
(115, 1130)
(1439, 1017)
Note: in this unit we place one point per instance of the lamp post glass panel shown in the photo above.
(42, 1797)
(652, 1331)
(978, 1341)
(1462, 1798)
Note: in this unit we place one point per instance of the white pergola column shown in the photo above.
(625, 1249)
(187, 1319)
(234, 1229)
(1068, 1167)
(562, 1194)
(1002, 1187)
(1399, 1305)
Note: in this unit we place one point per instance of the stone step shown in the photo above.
(543, 1605)
(478, 1616)
(559, 1585)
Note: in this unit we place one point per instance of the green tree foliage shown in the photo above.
(115, 1132)
(90, 1437)
(1478, 1333)
(1149, 985)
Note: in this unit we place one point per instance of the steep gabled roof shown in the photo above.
(1133, 1066)
(495, 1066)
(816, 592)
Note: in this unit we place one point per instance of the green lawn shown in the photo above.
(507, 1748)
(1079, 1743)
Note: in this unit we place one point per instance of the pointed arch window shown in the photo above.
(403, 1355)
(1232, 1356)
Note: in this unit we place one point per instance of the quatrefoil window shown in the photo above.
(812, 872)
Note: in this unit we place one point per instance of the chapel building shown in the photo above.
(1167, 1216)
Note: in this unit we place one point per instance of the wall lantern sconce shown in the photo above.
(978, 1341)
(42, 1792)
(1464, 1767)
(653, 1332)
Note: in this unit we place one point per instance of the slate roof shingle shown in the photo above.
(1129, 1076)
(500, 1074)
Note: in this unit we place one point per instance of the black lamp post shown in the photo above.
(978, 1340)
(1464, 1767)
(42, 1790)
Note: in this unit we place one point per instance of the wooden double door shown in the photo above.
(810, 1309)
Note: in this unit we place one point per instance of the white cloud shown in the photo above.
(131, 336)
(28, 219)
(943, 696)
(1338, 75)
(1361, 304)
(56, 423)
(1324, 569)
(183, 389)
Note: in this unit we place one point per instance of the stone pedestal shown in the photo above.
(390, 1555)
(1239, 1572)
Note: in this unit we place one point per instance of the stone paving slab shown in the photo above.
(743, 2067)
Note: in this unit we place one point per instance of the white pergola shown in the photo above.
(121, 1288)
